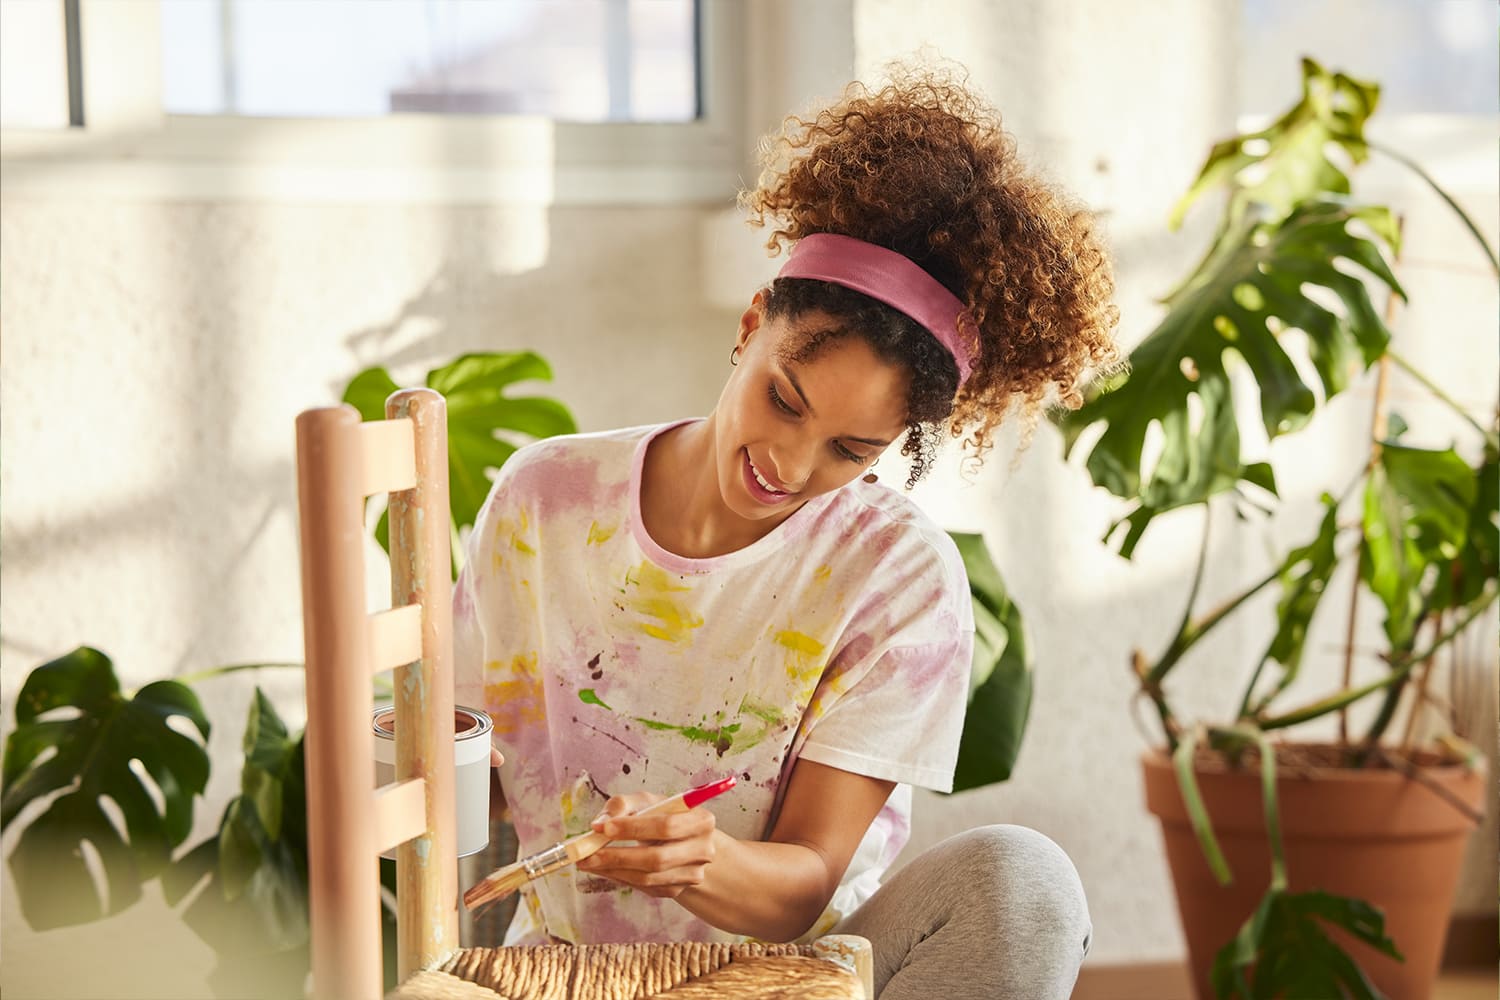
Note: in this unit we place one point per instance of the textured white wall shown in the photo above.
(155, 354)
(154, 359)
(1126, 134)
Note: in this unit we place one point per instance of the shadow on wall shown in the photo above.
(159, 523)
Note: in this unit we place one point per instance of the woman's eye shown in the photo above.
(780, 403)
(846, 453)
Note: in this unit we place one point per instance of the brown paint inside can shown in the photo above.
(463, 722)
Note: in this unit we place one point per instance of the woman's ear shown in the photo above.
(750, 321)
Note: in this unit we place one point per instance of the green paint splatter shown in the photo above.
(761, 710)
(721, 738)
(588, 697)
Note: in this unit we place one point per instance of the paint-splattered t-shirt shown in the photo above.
(611, 665)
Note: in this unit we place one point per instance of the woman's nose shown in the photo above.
(792, 459)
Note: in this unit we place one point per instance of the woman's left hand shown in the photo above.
(672, 853)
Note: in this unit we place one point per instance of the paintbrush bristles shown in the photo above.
(507, 880)
(495, 887)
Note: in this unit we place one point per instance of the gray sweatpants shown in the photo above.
(994, 913)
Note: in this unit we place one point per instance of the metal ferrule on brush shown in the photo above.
(550, 860)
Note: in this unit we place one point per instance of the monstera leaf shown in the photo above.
(78, 734)
(1304, 579)
(1283, 951)
(1464, 579)
(1291, 155)
(1418, 506)
(474, 386)
(1249, 292)
(1000, 675)
(253, 907)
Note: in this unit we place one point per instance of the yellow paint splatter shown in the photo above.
(822, 573)
(804, 662)
(598, 535)
(518, 698)
(514, 533)
(799, 642)
(666, 618)
(830, 691)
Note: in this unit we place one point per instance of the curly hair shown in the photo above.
(922, 166)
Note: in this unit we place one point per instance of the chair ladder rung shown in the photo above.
(400, 813)
(387, 453)
(395, 637)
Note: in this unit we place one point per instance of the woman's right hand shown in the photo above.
(672, 851)
(499, 810)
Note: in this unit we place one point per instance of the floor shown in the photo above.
(1168, 981)
(1467, 984)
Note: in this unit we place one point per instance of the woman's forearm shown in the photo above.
(763, 889)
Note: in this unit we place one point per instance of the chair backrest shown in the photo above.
(340, 462)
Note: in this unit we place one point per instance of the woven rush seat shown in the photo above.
(678, 970)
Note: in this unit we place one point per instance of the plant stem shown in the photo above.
(1183, 759)
(1333, 702)
(1463, 216)
(1244, 711)
(1403, 662)
(1489, 436)
(1273, 811)
(1192, 633)
(1151, 679)
(1407, 768)
(1158, 698)
(1192, 598)
(1378, 428)
(211, 672)
(1420, 698)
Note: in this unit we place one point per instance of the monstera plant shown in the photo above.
(91, 769)
(1278, 317)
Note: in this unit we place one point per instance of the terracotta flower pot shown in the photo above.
(1372, 834)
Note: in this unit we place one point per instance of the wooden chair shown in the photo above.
(340, 462)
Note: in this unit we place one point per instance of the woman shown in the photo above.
(648, 609)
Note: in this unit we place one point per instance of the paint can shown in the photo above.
(471, 778)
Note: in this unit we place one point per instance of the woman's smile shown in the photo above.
(760, 486)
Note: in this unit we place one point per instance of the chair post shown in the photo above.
(344, 893)
(421, 573)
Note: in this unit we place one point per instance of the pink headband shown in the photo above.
(893, 279)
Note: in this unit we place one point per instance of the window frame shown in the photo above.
(129, 147)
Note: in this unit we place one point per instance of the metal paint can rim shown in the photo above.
(469, 744)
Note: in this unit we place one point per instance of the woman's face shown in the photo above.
(787, 431)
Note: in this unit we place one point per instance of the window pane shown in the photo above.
(571, 60)
(1427, 55)
(33, 65)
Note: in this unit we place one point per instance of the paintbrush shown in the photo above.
(504, 881)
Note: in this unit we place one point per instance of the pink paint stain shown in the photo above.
(562, 482)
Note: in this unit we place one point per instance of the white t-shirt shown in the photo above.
(611, 665)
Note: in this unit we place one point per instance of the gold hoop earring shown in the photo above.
(734, 356)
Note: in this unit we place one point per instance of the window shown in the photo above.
(33, 64)
(567, 60)
(1437, 56)
(658, 118)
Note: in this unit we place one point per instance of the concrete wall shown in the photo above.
(155, 353)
